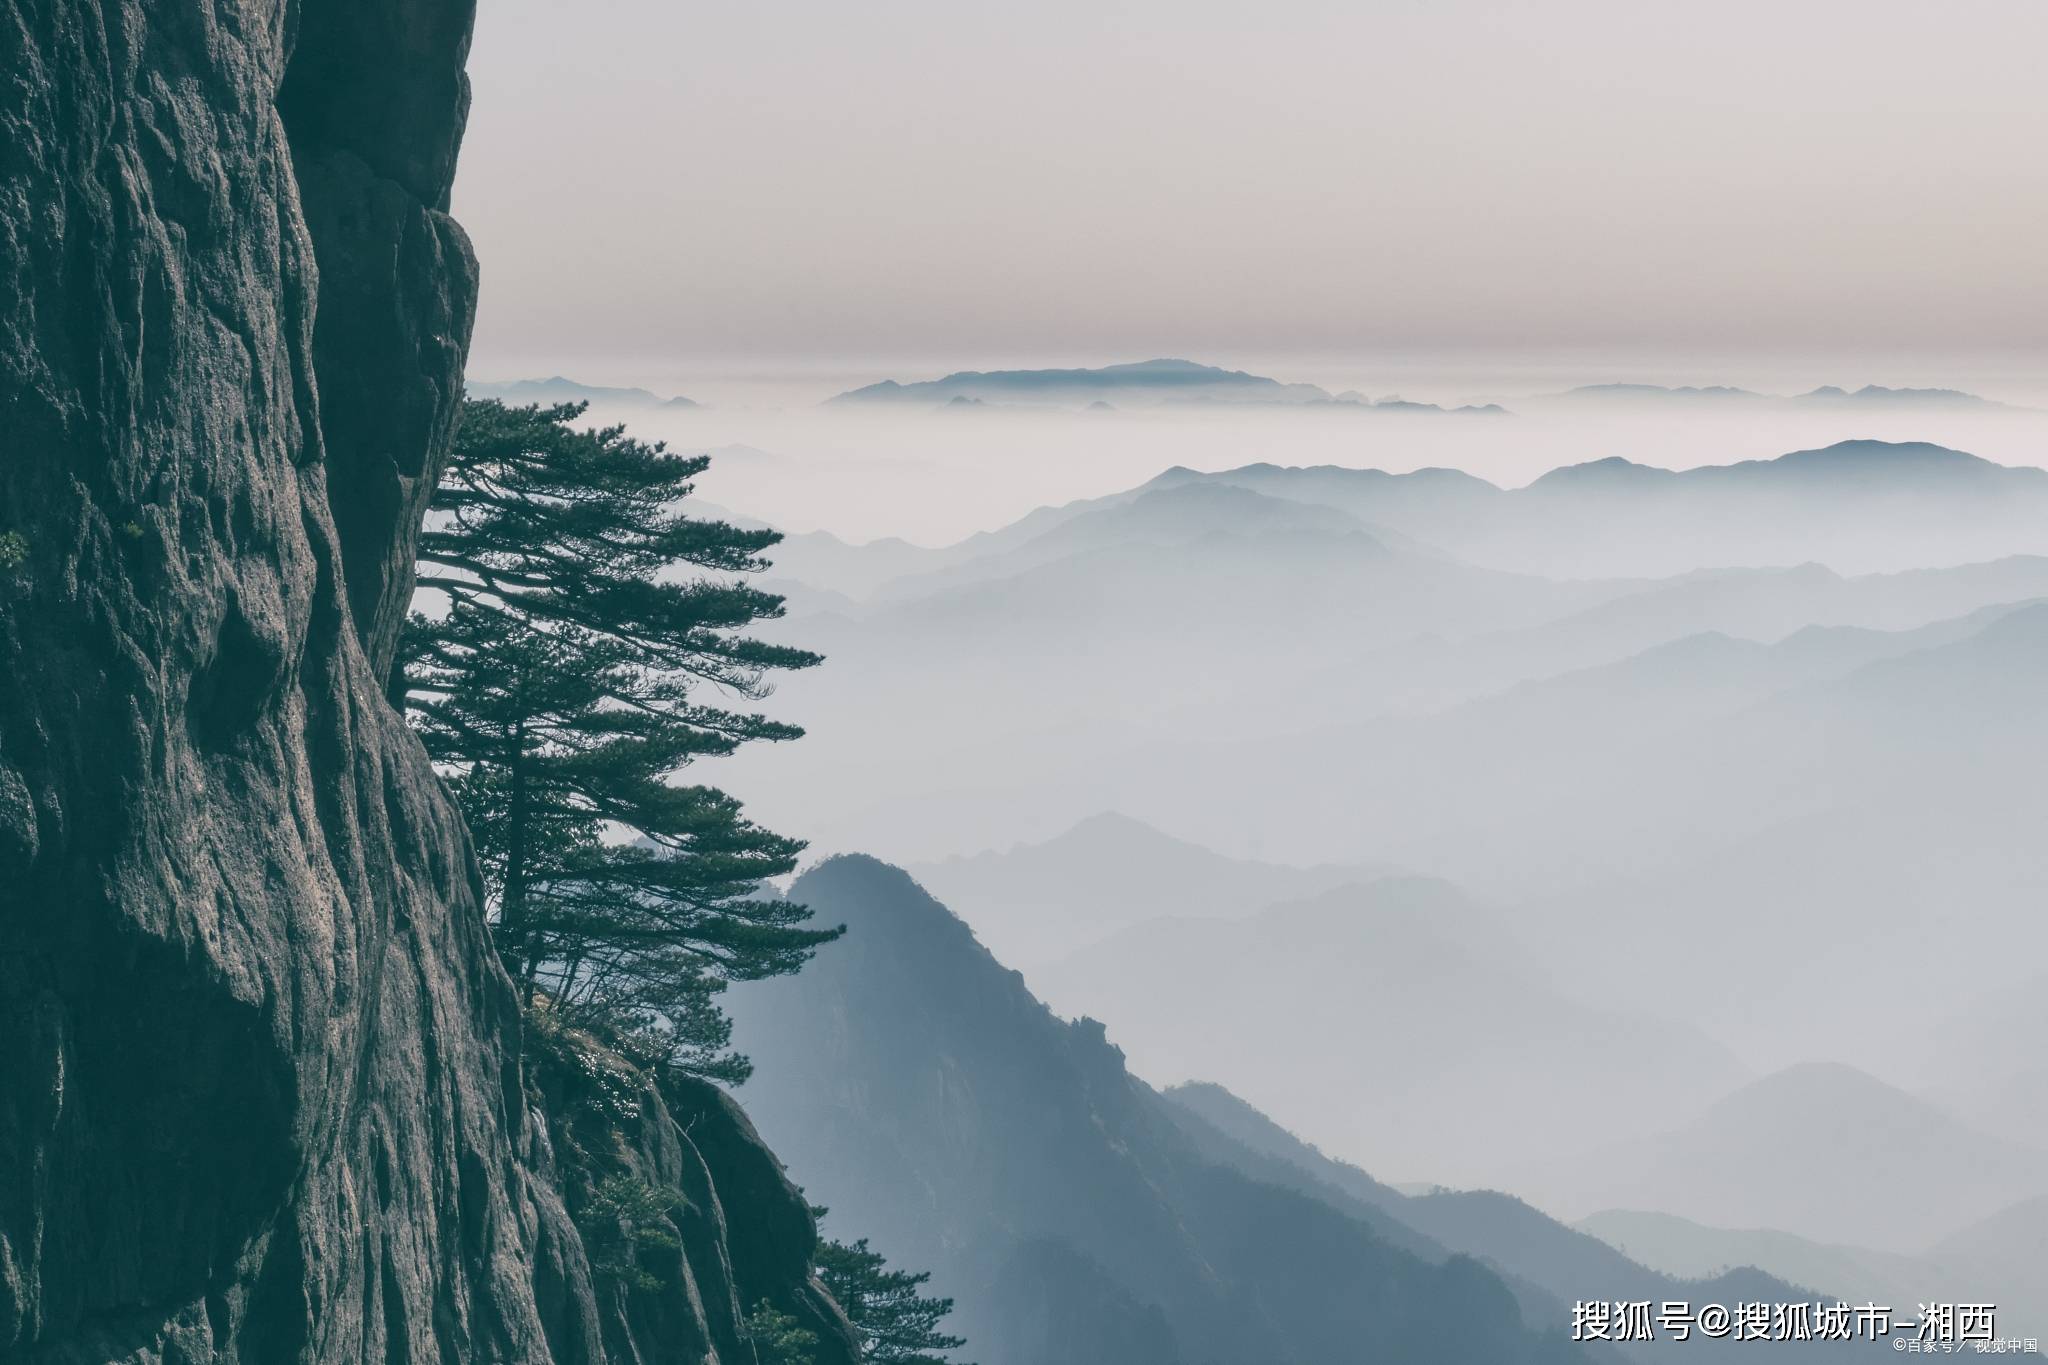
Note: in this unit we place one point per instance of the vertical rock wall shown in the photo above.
(259, 1090)
(256, 1089)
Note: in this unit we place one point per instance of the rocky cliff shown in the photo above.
(260, 1097)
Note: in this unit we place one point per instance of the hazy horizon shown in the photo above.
(770, 383)
(934, 476)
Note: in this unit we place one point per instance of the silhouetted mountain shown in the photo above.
(1821, 1150)
(1406, 405)
(1078, 1216)
(2003, 1260)
(916, 1087)
(1857, 506)
(1035, 902)
(1423, 497)
(1396, 1018)
(1669, 801)
(1144, 381)
(1186, 561)
(1826, 396)
(1535, 770)
(1697, 805)
(1835, 821)
(1697, 677)
(821, 559)
(2003, 662)
(1107, 635)
(560, 390)
(1680, 1247)
(1876, 395)
(1770, 605)
(1234, 1133)
(1549, 1265)
(1870, 467)
(1158, 518)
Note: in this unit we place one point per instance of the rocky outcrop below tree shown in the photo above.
(260, 1097)
(688, 1219)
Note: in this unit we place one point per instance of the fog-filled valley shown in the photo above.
(1652, 836)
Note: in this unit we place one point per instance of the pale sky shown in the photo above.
(1073, 180)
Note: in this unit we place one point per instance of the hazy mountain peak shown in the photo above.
(1863, 450)
(1870, 396)
(1821, 1149)
(1857, 462)
(1117, 830)
(1157, 380)
(1878, 395)
(1612, 471)
(558, 389)
(1165, 365)
(962, 1122)
(1830, 1081)
(2006, 657)
(1220, 506)
(1626, 390)
(1428, 474)
(1036, 901)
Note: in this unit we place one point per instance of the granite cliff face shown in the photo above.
(260, 1098)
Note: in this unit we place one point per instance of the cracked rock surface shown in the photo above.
(260, 1096)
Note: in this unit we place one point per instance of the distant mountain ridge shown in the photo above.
(1156, 518)
(557, 389)
(1087, 632)
(1033, 902)
(1548, 1264)
(1827, 395)
(916, 1087)
(1394, 1016)
(1857, 459)
(1858, 506)
(2002, 1260)
(1079, 1217)
(1563, 784)
(1822, 1150)
(1139, 383)
(1156, 378)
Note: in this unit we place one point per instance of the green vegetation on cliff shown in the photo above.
(564, 690)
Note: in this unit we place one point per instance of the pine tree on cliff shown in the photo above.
(898, 1325)
(574, 675)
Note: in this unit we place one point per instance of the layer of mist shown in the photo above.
(1628, 799)
(933, 472)
(1625, 798)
